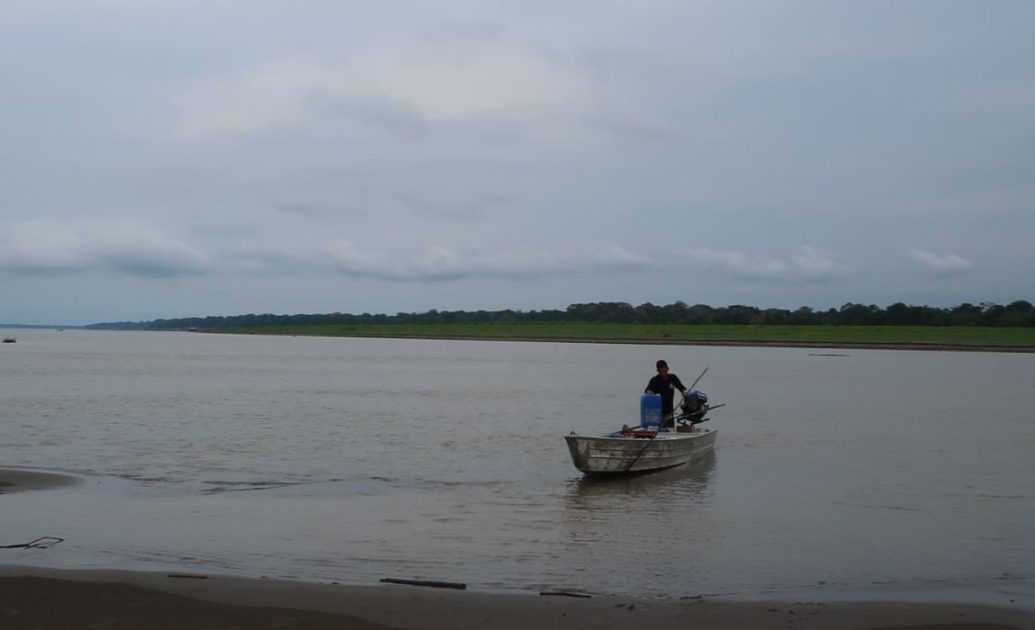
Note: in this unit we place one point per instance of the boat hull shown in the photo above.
(625, 455)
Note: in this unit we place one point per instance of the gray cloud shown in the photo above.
(439, 263)
(372, 111)
(807, 264)
(941, 263)
(303, 209)
(464, 148)
(54, 248)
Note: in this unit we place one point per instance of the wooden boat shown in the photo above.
(641, 449)
(10, 340)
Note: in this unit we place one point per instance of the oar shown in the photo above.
(642, 451)
(695, 417)
(688, 418)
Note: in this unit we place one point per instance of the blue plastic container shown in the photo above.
(650, 411)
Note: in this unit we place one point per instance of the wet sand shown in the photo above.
(19, 480)
(47, 598)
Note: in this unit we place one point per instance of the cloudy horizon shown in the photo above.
(165, 160)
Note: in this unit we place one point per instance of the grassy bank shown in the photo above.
(905, 336)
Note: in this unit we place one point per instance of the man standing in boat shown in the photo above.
(665, 385)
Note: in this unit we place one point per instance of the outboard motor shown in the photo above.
(695, 403)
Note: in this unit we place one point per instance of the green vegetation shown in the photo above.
(1018, 313)
(967, 325)
(935, 336)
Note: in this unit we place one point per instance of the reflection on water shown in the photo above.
(687, 482)
(653, 505)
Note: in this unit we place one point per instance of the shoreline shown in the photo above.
(25, 479)
(749, 343)
(59, 598)
(818, 345)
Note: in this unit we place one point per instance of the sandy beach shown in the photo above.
(34, 598)
(66, 598)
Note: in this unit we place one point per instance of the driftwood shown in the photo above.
(187, 575)
(566, 594)
(431, 583)
(43, 542)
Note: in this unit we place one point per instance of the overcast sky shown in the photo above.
(171, 159)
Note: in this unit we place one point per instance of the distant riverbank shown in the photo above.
(955, 338)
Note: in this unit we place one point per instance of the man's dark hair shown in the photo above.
(661, 363)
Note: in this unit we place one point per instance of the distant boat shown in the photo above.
(10, 340)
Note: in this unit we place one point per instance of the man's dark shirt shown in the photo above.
(667, 389)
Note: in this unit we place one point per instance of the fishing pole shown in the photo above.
(672, 414)
(691, 388)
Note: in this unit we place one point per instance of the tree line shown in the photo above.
(1018, 313)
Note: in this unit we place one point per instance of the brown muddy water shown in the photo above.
(856, 474)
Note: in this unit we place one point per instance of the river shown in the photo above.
(850, 473)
